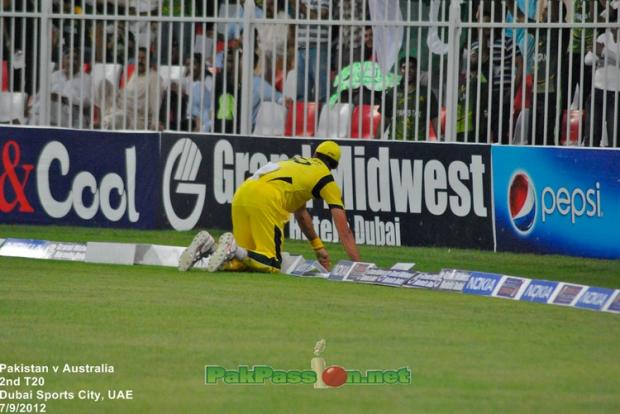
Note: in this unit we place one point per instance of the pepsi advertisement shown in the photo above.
(557, 201)
(84, 178)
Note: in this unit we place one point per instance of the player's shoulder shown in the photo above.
(308, 162)
(317, 162)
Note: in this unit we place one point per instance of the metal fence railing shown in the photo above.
(528, 72)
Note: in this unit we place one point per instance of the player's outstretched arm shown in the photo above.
(305, 223)
(346, 235)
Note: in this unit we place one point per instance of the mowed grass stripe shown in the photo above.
(159, 327)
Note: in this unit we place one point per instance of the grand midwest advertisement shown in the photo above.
(395, 193)
(557, 200)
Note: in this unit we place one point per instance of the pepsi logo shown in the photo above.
(522, 202)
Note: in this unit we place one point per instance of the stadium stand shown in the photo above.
(366, 121)
(126, 74)
(5, 75)
(13, 106)
(301, 119)
(106, 71)
(270, 119)
(572, 121)
(290, 85)
(171, 74)
(335, 122)
(111, 36)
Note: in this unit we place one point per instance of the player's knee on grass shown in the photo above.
(235, 265)
(248, 265)
(255, 266)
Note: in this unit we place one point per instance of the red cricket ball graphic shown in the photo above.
(334, 376)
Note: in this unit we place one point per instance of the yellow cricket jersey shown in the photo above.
(289, 184)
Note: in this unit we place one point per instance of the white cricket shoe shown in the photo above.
(225, 251)
(202, 245)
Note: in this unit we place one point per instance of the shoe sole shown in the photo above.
(219, 256)
(186, 261)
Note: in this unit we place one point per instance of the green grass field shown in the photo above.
(159, 328)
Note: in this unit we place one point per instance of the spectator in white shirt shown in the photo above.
(275, 42)
(313, 49)
(71, 93)
(199, 87)
(604, 114)
(138, 103)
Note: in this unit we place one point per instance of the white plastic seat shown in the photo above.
(290, 85)
(107, 71)
(13, 106)
(270, 119)
(171, 73)
(335, 121)
(522, 125)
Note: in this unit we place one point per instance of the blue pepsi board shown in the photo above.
(594, 298)
(557, 200)
(539, 291)
(481, 283)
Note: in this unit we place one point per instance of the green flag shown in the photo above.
(367, 74)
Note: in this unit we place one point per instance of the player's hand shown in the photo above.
(323, 257)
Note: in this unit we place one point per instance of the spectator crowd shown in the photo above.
(543, 77)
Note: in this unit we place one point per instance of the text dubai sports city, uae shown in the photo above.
(13, 393)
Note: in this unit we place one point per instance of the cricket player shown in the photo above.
(262, 206)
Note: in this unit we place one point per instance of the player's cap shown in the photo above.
(330, 149)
